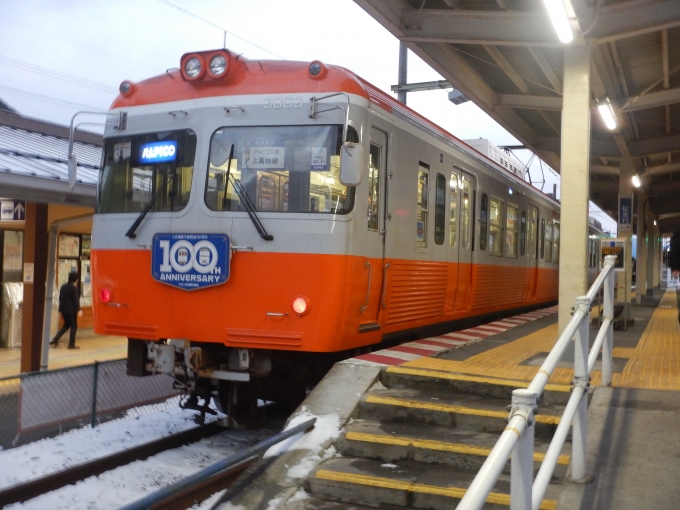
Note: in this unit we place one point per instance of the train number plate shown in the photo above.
(190, 261)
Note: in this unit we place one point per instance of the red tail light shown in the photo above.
(105, 295)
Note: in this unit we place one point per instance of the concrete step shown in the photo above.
(464, 449)
(465, 412)
(312, 503)
(405, 484)
(483, 386)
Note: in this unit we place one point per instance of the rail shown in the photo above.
(229, 463)
(517, 440)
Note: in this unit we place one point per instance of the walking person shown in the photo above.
(69, 306)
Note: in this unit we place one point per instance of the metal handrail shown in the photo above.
(231, 461)
(517, 440)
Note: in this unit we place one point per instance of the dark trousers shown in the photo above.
(70, 321)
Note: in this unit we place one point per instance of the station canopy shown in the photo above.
(505, 56)
(34, 161)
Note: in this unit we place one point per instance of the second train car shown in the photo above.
(257, 220)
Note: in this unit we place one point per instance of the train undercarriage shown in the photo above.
(235, 378)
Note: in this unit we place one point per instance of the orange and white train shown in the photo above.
(257, 220)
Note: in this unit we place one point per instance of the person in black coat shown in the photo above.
(69, 306)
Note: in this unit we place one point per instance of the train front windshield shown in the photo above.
(154, 168)
(280, 169)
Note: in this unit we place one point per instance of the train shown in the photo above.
(259, 220)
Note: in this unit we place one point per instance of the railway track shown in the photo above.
(57, 480)
(227, 451)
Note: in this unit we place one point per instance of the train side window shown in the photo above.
(511, 231)
(556, 242)
(374, 159)
(483, 220)
(541, 237)
(466, 217)
(453, 209)
(522, 233)
(495, 226)
(422, 206)
(440, 209)
(548, 241)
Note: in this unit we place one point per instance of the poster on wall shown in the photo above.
(64, 267)
(69, 246)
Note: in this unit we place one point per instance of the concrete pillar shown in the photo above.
(657, 257)
(625, 231)
(403, 68)
(651, 245)
(641, 256)
(35, 278)
(575, 169)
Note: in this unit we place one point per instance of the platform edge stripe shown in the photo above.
(416, 351)
(380, 359)
(387, 483)
(424, 372)
(444, 446)
(450, 408)
(417, 344)
(459, 336)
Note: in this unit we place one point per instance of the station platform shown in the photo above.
(93, 348)
(416, 422)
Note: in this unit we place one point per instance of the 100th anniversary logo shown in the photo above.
(190, 261)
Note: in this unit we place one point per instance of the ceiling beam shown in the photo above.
(503, 28)
(635, 17)
(507, 68)
(602, 149)
(661, 169)
(530, 102)
(546, 68)
(652, 100)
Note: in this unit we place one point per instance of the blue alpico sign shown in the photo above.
(190, 261)
(158, 152)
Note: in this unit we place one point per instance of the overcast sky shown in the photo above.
(59, 57)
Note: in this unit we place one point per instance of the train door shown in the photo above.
(532, 255)
(376, 224)
(461, 193)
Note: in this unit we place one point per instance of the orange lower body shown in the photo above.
(253, 308)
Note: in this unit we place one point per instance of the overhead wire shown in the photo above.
(48, 99)
(189, 13)
(55, 74)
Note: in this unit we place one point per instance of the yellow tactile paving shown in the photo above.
(653, 364)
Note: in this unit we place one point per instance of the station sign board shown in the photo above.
(613, 247)
(190, 261)
(12, 210)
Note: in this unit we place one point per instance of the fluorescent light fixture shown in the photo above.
(607, 114)
(558, 16)
(636, 181)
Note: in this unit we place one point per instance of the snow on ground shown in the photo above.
(113, 489)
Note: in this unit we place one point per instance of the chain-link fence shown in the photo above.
(43, 404)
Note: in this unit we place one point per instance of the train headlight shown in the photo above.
(105, 295)
(218, 65)
(301, 305)
(193, 67)
(317, 70)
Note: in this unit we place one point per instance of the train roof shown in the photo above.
(247, 77)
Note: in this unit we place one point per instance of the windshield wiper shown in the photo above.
(245, 199)
(131, 231)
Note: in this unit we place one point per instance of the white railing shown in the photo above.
(518, 437)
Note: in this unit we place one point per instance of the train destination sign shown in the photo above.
(190, 261)
(158, 152)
